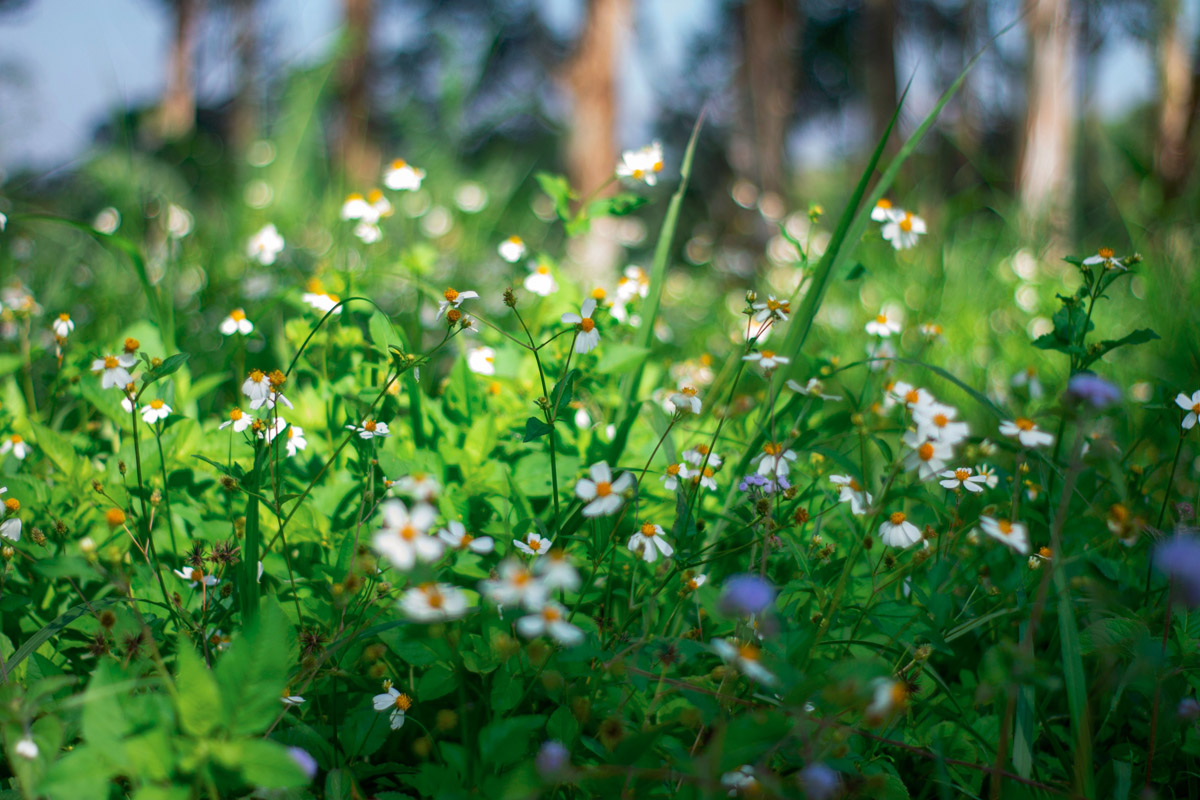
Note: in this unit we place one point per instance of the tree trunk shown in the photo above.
(769, 44)
(359, 159)
(1044, 180)
(880, 57)
(592, 153)
(1177, 109)
(243, 112)
(176, 116)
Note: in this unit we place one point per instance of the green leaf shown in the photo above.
(559, 190)
(198, 701)
(507, 741)
(59, 450)
(253, 673)
(82, 774)
(1140, 336)
(169, 365)
(535, 429)
(620, 357)
(267, 764)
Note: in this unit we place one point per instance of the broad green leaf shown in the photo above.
(198, 700)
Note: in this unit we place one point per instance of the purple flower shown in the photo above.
(763, 485)
(745, 595)
(1092, 389)
(1188, 709)
(1179, 559)
(306, 762)
(819, 782)
(553, 759)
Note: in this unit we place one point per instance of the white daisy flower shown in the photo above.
(154, 411)
(556, 572)
(643, 164)
(914, 398)
(321, 300)
(671, 475)
(236, 322)
(702, 477)
(434, 602)
(239, 419)
(63, 325)
(419, 486)
(887, 695)
(1107, 257)
(114, 370)
(295, 440)
(403, 539)
(1013, 534)
(551, 620)
(814, 388)
(25, 747)
(588, 337)
(370, 429)
(685, 400)
(745, 658)
(539, 280)
(534, 545)
(289, 699)
(928, 457)
(515, 586)
(455, 535)
(897, 531)
(696, 456)
(884, 325)
(196, 576)
(512, 249)
(602, 494)
(740, 781)
(936, 421)
(17, 446)
(767, 360)
(400, 176)
(774, 460)
(648, 543)
(394, 702)
(904, 231)
(772, 309)
(1190, 405)
(265, 246)
(884, 211)
(1026, 432)
(695, 582)
(962, 477)
(481, 360)
(852, 492)
(453, 299)
(988, 474)
(1028, 377)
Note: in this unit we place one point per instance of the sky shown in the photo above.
(66, 64)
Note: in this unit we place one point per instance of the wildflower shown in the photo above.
(356, 207)
(1179, 559)
(988, 474)
(643, 164)
(455, 535)
(550, 619)
(534, 545)
(887, 695)
(1188, 709)
(512, 249)
(814, 388)
(318, 298)
(403, 538)
(695, 582)
(903, 231)
(295, 440)
(1026, 432)
(1013, 534)
(962, 477)
(880, 353)
(481, 360)
(114, 370)
(395, 702)
(434, 602)
(587, 337)
(745, 658)
(154, 411)
(885, 212)
(236, 322)
(453, 299)
(540, 281)
(767, 360)
(649, 542)
(262, 389)
(936, 421)
(419, 486)
(63, 325)
(927, 457)
(552, 760)
(304, 760)
(1190, 405)
(1107, 257)
(670, 476)
(772, 309)
(897, 531)
(852, 492)
(700, 455)
(773, 460)
(685, 400)
(17, 446)
(25, 747)
(400, 176)
(370, 429)
(556, 571)
(1028, 378)
(883, 325)
(760, 484)
(740, 781)
(11, 529)
(289, 699)
(515, 585)
(601, 492)
(265, 246)
(1096, 391)
(912, 397)
(744, 595)
(819, 782)
(930, 330)
(196, 576)
(239, 419)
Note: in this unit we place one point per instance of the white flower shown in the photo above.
(453, 299)
(456, 536)
(236, 322)
(740, 780)
(63, 325)
(11, 529)
(368, 232)
(883, 325)
(419, 486)
(914, 399)
(1026, 432)
(745, 658)
(3, 221)
(539, 280)
(671, 475)
(154, 411)
(434, 602)
(239, 419)
(988, 474)
(196, 576)
(114, 370)
(884, 211)
(404, 536)
(515, 586)
(772, 309)
(295, 440)
(928, 457)
(852, 492)
(481, 360)
(897, 531)
(1028, 377)
(25, 747)
(602, 493)
(512, 249)
(649, 542)
(550, 620)
(107, 221)
(767, 360)
(1190, 405)
(695, 582)
(887, 695)
(814, 388)
(289, 699)
(954, 478)
(773, 460)
(642, 165)
(321, 300)
(936, 421)
(534, 545)
(265, 246)
(703, 477)
(903, 232)
(401, 176)
(179, 221)
(685, 400)
(587, 337)
(395, 702)
(699, 453)
(1013, 534)
(880, 352)
(370, 429)
(17, 446)
(930, 330)
(1107, 257)
(556, 571)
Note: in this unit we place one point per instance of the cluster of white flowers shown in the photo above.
(366, 212)
(900, 227)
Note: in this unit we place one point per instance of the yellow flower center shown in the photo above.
(197, 575)
(884, 203)
(374, 196)
(962, 474)
(408, 533)
(772, 449)
(689, 391)
(110, 362)
(65, 317)
(15, 438)
(899, 693)
(1196, 408)
(1023, 423)
(516, 240)
(587, 325)
(855, 485)
(639, 173)
(1106, 252)
(257, 376)
(648, 529)
(542, 269)
(598, 293)
(1045, 552)
(237, 315)
(236, 414)
(433, 596)
(768, 354)
(925, 451)
(551, 614)
(131, 345)
(466, 540)
(156, 404)
(1005, 527)
(12, 504)
(941, 420)
(370, 426)
(748, 652)
(451, 295)
(912, 396)
(402, 702)
(881, 319)
(672, 469)
(906, 224)
(603, 489)
(897, 517)
(708, 472)
(658, 165)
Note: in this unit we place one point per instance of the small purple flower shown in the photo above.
(819, 782)
(745, 595)
(1094, 390)
(761, 484)
(553, 759)
(306, 762)
(1179, 559)
(1188, 709)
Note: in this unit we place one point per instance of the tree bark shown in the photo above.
(1045, 180)
(769, 52)
(243, 112)
(359, 159)
(1177, 103)
(880, 57)
(176, 116)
